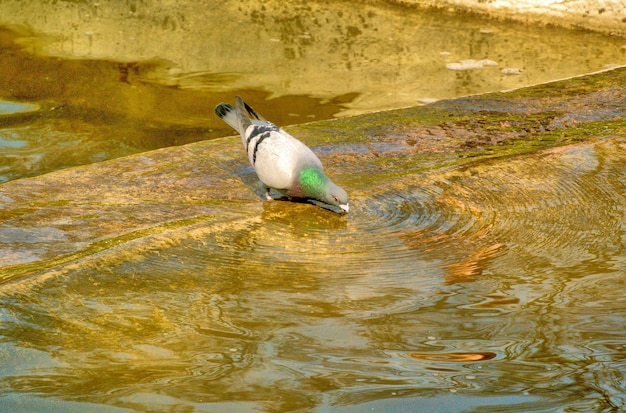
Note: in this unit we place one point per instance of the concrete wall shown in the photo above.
(606, 16)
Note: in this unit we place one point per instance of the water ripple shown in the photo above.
(555, 207)
(359, 307)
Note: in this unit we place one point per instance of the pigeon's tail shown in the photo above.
(228, 114)
(239, 117)
(245, 114)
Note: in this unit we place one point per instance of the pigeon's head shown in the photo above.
(316, 185)
(335, 195)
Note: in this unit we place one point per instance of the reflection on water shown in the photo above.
(497, 286)
(37, 148)
(297, 309)
(130, 76)
(390, 55)
(455, 357)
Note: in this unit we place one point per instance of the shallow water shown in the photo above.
(494, 286)
(497, 286)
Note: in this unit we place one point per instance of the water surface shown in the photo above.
(494, 286)
(115, 78)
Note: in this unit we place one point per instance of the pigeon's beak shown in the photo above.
(345, 207)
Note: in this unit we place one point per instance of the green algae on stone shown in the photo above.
(84, 211)
(458, 131)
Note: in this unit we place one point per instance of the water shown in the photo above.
(497, 285)
(161, 283)
(116, 78)
(488, 287)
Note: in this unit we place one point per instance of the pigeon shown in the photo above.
(281, 162)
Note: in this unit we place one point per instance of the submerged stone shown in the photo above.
(72, 216)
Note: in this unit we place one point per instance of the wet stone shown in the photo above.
(482, 256)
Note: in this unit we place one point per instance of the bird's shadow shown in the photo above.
(332, 208)
(250, 180)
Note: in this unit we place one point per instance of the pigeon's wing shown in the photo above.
(246, 112)
(238, 117)
(277, 156)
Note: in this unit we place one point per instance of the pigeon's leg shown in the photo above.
(267, 193)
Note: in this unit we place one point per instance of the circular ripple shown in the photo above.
(542, 208)
(561, 208)
(428, 219)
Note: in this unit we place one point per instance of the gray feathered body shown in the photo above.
(279, 159)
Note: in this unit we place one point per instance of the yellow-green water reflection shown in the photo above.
(116, 78)
(159, 282)
(484, 287)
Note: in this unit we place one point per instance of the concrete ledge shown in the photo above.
(603, 16)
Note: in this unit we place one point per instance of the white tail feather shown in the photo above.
(228, 114)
